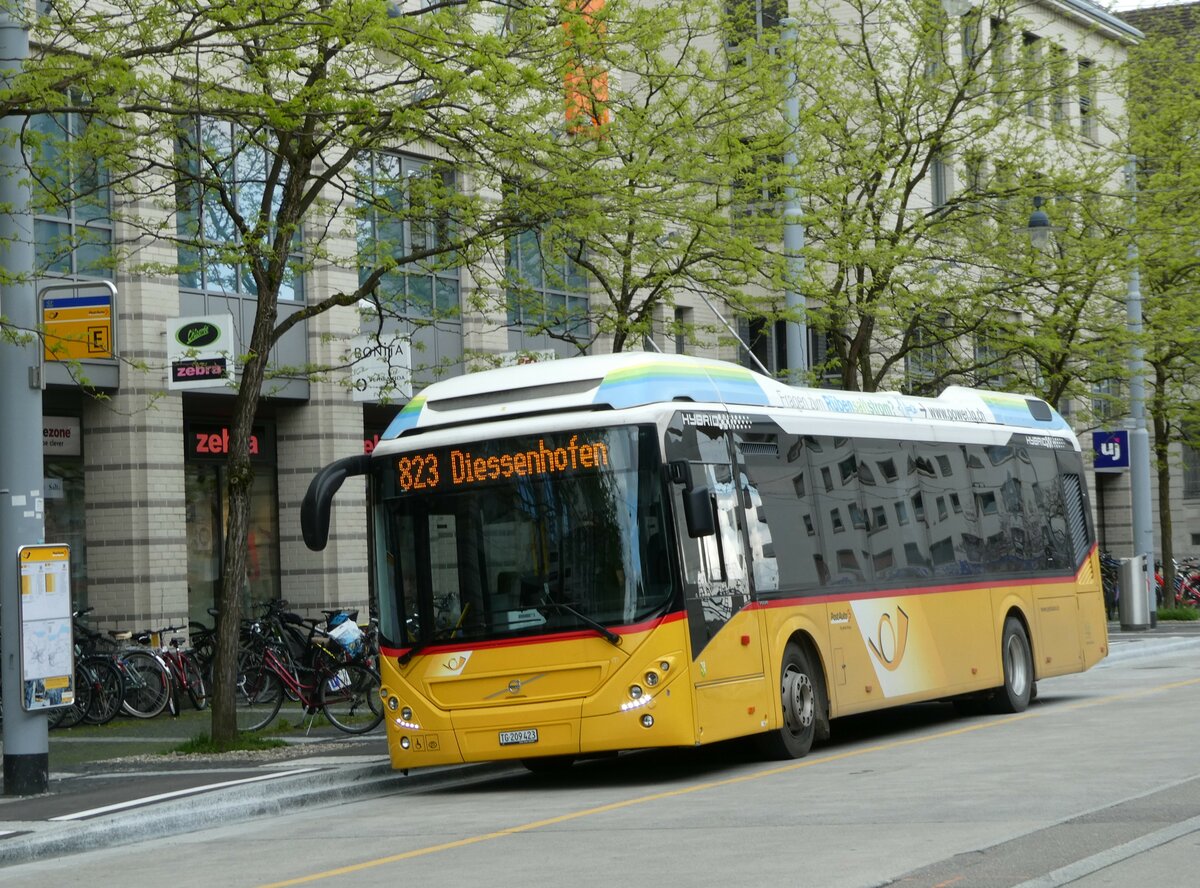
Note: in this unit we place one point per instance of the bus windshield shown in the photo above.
(537, 534)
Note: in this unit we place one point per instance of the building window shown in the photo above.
(939, 182)
(224, 170)
(71, 201)
(928, 358)
(969, 33)
(683, 325)
(1001, 73)
(401, 214)
(1087, 93)
(823, 357)
(747, 22)
(991, 370)
(757, 190)
(1191, 462)
(546, 288)
(1104, 399)
(932, 38)
(1060, 99)
(1031, 54)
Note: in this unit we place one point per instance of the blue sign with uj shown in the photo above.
(1111, 450)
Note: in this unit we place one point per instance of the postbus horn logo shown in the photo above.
(896, 639)
(198, 334)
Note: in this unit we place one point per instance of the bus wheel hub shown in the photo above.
(798, 701)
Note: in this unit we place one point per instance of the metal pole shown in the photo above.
(1139, 437)
(793, 224)
(26, 745)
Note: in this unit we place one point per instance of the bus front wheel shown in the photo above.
(800, 689)
(1017, 659)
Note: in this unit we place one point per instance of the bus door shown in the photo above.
(732, 695)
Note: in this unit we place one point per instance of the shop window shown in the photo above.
(63, 487)
(205, 482)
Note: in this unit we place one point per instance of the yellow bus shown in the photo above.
(626, 551)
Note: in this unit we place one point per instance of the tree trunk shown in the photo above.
(239, 484)
(1162, 442)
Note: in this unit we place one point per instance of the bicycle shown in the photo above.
(147, 676)
(186, 674)
(344, 691)
(204, 644)
(99, 680)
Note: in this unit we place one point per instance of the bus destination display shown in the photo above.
(428, 471)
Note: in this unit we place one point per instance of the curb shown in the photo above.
(1134, 650)
(230, 805)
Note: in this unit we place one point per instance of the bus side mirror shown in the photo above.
(698, 512)
(314, 510)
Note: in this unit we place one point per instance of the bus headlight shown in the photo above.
(405, 743)
(406, 714)
(651, 678)
(635, 692)
(647, 720)
(393, 704)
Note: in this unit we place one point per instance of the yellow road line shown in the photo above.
(728, 781)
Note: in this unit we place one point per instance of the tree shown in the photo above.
(247, 136)
(922, 144)
(648, 194)
(1163, 98)
(242, 133)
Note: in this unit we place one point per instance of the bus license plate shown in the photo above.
(512, 738)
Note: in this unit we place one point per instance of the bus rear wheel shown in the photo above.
(1017, 660)
(800, 691)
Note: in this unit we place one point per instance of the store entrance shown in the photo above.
(207, 520)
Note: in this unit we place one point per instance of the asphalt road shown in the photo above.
(1097, 784)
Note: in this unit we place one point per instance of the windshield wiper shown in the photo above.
(608, 634)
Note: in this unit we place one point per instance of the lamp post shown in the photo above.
(793, 226)
(793, 210)
(1040, 230)
(26, 745)
(1139, 437)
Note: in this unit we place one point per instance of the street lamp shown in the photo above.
(1039, 227)
(793, 211)
(1039, 230)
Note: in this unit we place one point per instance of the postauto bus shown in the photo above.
(639, 550)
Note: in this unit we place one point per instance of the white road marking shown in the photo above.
(145, 800)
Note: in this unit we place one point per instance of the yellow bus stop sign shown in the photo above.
(78, 328)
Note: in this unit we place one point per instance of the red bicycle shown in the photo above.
(344, 690)
(186, 674)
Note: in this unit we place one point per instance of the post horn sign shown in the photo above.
(200, 352)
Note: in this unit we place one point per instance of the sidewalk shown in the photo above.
(118, 783)
(113, 784)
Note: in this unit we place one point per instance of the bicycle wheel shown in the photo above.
(70, 716)
(349, 698)
(147, 684)
(197, 687)
(108, 691)
(257, 694)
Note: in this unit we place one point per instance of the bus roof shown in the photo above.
(633, 379)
